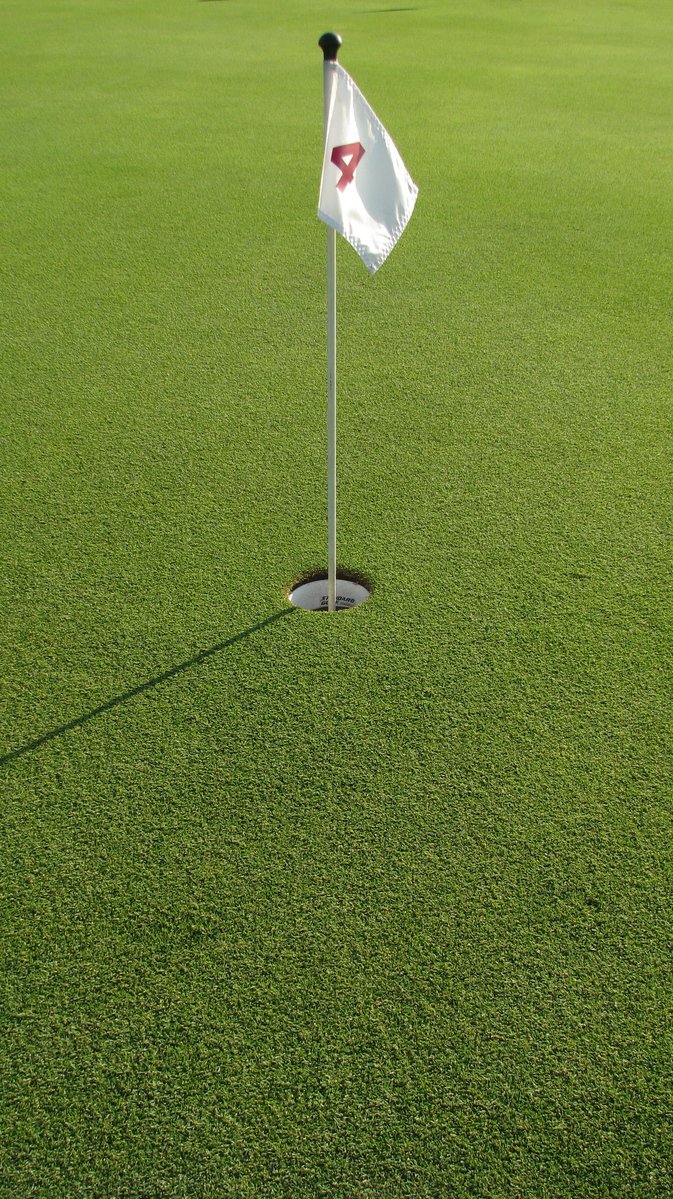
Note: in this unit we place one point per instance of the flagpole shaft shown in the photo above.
(328, 80)
(331, 420)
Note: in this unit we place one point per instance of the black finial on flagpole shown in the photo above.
(330, 44)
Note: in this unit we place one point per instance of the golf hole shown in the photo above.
(312, 594)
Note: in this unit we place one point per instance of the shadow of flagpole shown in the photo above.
(146, 686)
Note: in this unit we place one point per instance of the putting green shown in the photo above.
(374, 904)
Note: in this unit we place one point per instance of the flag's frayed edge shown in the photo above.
(361, 249)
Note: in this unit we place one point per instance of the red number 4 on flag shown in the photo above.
(346, 158)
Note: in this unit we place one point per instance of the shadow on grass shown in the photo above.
(146, 686)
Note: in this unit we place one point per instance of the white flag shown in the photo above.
(366, 192)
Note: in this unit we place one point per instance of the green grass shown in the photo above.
(372, 906)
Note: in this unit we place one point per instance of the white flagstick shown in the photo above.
(329, 44)
(331, 420)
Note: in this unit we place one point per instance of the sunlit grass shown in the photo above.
(372, 905)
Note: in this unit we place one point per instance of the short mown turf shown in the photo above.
(375, 905)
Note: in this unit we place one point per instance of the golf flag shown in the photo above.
(366, 192)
